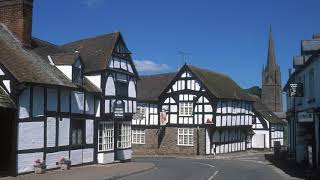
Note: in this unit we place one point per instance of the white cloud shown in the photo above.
(150, 66)
(93, 3)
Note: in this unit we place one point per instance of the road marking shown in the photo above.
(205, 164)
(213, 175)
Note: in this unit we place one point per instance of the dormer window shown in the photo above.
(77, 75)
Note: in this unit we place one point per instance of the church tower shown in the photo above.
(271, 80)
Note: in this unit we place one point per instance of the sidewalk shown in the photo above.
(92, 172)
(226, 156)
(291, 168)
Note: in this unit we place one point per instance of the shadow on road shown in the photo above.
(290, 167)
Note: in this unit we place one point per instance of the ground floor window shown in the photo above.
(105, 136)
(77, 131)
(124, 138)
(185, 136)
(138, 136)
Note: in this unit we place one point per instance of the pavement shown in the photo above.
(91, 172)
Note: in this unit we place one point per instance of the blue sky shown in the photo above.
(225, 36)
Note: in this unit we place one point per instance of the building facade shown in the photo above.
(267, 127)
(191, 112)
(303, 112)
(62, 101)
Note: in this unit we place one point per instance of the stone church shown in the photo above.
(271, 80)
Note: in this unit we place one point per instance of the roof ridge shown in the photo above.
(88, 38)
(161, 74)
(210, 71)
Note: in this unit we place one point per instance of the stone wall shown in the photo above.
(165, 142)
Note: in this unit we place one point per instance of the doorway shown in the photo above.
(7, 158)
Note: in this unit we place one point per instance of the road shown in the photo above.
(251, 168)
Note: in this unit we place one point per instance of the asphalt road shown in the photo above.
(199, 169)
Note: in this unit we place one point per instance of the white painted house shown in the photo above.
(74, 101)
(191, 112)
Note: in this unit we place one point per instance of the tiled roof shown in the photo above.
(5, 100)
(220, 85)
(25, 65)
(150, 87)
(95, 52)
(264, 111)
(64, 58)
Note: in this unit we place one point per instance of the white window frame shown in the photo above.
(185, 137)
(142, 109)
(185, 108)
(138, 136)
(107, 139)
(124, 140)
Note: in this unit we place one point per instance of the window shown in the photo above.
(77, 131)
(141, 110)
(77, 73)
(105, 136)
(138, 136)
(185, 109)
(124, 138)
(122, 89)
(185, 137)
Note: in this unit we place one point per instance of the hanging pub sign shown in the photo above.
(118, 109)
(296, 90)
(163, 118)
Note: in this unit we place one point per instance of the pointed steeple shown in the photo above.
(271, 63)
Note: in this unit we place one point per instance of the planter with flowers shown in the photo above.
(39, 167)
(64, 163)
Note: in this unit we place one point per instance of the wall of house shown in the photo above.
(150, 147)
(44, 126)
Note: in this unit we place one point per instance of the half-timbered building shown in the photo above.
(191, 112)
(73, 101)
(267, 127)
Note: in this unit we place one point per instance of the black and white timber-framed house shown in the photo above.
(267, 126)
(191, 112)
(74, 101)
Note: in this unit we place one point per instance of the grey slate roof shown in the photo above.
(25, 65)
(95, 51)
(5, 100)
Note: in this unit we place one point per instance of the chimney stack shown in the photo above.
(17, 16)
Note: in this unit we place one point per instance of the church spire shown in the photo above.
(271, 63)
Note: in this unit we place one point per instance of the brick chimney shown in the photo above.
(17, 16)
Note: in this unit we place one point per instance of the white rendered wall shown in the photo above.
(110, 89)
(52, 158)
(66, 70)
(76, 157)
(25, 161)
(89, 131)
(87, 155)
(105, 158)
(30, 135)
(51, 132)
(132, 89)
(96, 80)
(64, 127)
